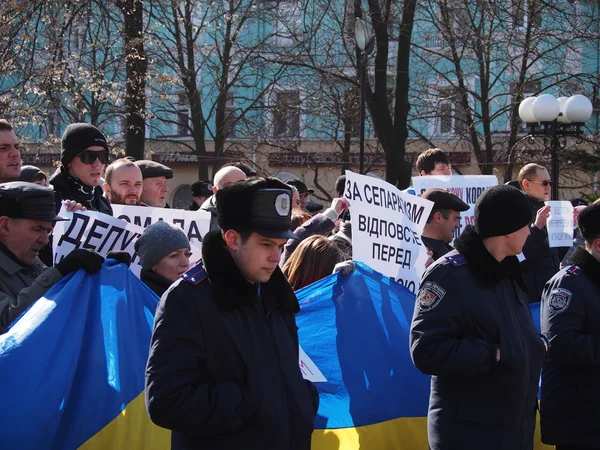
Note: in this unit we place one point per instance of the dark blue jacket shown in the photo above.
(570, 318)
(223, 367)
(468, 306)
(541, 261)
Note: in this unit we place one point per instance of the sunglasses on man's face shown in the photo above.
(544, 183)
(90, 156)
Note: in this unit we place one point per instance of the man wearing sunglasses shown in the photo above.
(541, 262)
(83, 158)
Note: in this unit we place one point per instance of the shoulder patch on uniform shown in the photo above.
(430, 295)
(195, 275)
(559, 300)
(574, 270)
(456, 260)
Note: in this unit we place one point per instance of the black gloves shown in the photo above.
(85, 259)
(120, 256)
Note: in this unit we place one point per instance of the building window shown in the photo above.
(528, 89)
(524, 11)
(351, 112)
(451, 116)
(53, 122)
(182, 115)
(287, 114)
(229, 125)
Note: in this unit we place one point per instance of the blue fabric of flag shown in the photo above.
(73, 362)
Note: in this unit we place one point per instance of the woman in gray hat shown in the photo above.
(164, 252)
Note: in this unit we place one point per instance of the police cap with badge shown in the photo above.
(261, 205)
(23, 200)
(443, 199)
(202, 189)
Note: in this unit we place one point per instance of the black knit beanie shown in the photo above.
(78, 137)
(501, 210)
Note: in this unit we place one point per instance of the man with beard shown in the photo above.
(27, 216)
(123, 182)
(10, 153)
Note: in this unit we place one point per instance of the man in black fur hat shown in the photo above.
(570, 319)
(473, 332)
(223, 367)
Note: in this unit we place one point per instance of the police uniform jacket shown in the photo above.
(62, 191)
(570, 319)
(468, 306)
(437, 247)
(223, 367)
(541, 262)
(21, 285)
(210, 206)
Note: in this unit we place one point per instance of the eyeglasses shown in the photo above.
(544, 183)
(89, 156)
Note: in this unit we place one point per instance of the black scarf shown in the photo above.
(231, 288)
(74, 184)
(589, 264)
(483, 265)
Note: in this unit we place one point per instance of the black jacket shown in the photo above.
(468, 306)
(210, 205)
(437, 247)
(541, 262)
(570, 319)
(62, 191)
(223, 367)
(155, 282)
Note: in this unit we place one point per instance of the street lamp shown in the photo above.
(555, 119)
(364, 42)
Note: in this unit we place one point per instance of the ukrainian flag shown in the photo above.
(355, 329)
(72, 367)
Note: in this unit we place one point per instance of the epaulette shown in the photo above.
(195, 275)
(456, 260)
(574, 270)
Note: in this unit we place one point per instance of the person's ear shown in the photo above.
(106, 188)
(422, 173)
(232, 239)
(214, 190)
(5, 225)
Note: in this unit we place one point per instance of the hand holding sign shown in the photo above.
(559, 223)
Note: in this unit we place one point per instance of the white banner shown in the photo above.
(102, 233)
(195, 224)
(466, 187)
(560, 223)
(386, 228)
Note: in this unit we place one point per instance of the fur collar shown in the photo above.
(589, 264)
(231, 289)
(483, 265)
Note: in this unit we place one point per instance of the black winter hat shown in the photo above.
(501, 210)
(589, 221)
(261, 205)
(78, 137)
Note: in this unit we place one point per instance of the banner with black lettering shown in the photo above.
(102, 233)
(386, 228)
(466, 187)
(195, 224)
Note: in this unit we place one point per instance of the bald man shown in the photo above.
(224, 177)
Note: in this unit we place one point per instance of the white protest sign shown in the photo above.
(195, 224)
(386, 228)
(309, 369)
(560, 224)
(466, 187)
(102, 233)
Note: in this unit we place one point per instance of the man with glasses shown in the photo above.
(27, 216)
(83, 158)
(541, 262)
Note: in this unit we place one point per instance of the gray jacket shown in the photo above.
(210, 205)
(21, 286)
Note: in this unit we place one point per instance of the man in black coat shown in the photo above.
(473, 332)
(570, 319)
(223, 367)
(541, 261)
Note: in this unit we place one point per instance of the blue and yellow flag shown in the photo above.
(72, 367)
(355, 329)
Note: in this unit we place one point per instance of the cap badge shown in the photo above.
(282, 204)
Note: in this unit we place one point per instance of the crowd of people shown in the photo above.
(223, 365)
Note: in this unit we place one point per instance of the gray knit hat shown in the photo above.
(157, 241)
